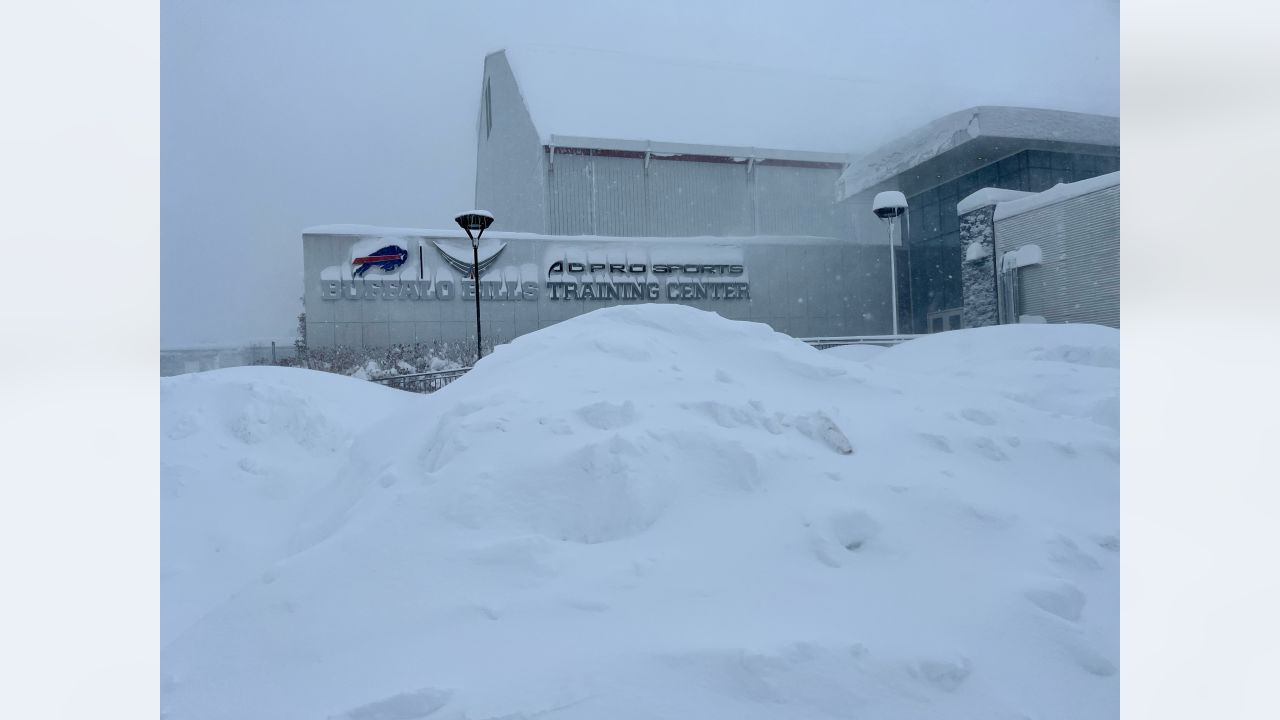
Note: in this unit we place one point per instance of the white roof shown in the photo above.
(951, 131)
(574, 95)
(1056, 194)
(987, 196)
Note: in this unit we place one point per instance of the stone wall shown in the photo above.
(977, 267)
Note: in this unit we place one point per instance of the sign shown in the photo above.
(565, 278)
(389, 258)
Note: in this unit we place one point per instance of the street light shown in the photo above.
(477, 221)
(889, 206)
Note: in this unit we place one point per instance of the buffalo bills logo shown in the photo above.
(388, 258)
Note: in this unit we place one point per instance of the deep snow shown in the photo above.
(652, 512)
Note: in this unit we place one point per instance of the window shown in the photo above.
(949, 319)
(488, 110)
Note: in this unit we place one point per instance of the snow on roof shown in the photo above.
(380, 231)
(951, 131)
(586, 94)
(1056, 194)
(987, 196)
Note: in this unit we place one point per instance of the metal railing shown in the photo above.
(425, 382)
(822, 343)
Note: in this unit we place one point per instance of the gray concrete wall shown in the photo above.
(510, 162)
(798, 285)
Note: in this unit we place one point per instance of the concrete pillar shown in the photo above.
(978, 267)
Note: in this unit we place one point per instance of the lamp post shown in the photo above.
(889, 206)
(477, 221)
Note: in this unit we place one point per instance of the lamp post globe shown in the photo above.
(475, 222)
(889, 206)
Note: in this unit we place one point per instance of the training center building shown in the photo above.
(616, 179)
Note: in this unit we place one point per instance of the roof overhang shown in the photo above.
(965, 141)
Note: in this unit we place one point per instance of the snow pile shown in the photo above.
(651, 512)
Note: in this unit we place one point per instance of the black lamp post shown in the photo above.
(477, 221)
(889, 206)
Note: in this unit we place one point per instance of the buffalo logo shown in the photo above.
(463, 264)
(388, 258)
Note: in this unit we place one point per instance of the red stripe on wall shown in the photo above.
(692, 158)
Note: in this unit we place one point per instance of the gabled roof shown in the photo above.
(983, 128)
(598, 99)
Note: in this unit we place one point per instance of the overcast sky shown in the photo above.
(281, 114)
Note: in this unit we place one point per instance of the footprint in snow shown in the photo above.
(557, 425)
(1058, 598)
(1064, 552)
(854, 529)
(989, 449)
(608, 416)
(937, 442)
(1091, 661)
(818, 426)
(975, 415)
(404, 706)
(945, 675)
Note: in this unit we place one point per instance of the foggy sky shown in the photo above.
(281, 114)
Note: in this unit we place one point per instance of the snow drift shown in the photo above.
(652, 512)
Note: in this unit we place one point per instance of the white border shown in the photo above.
(78, 393)
(78, 537)
(1200, 592)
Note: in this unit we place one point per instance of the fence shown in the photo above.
(425, 382)
(177, 361)
(822, 343)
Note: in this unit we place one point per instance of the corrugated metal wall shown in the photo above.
(795, 197)
(1079, 277)
(698, 198)
(590, 194)
(618, 204)
(570, 200)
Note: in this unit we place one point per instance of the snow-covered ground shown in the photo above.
(652, 512)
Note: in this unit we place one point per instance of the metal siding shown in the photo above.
(570, 195)
(620, 197)
(697, 198)
(1079, 279)
(590, 193)
(795, 200)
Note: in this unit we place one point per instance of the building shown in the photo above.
(574, 142)
(619, 179)
(939, 164)
(1052, 256)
